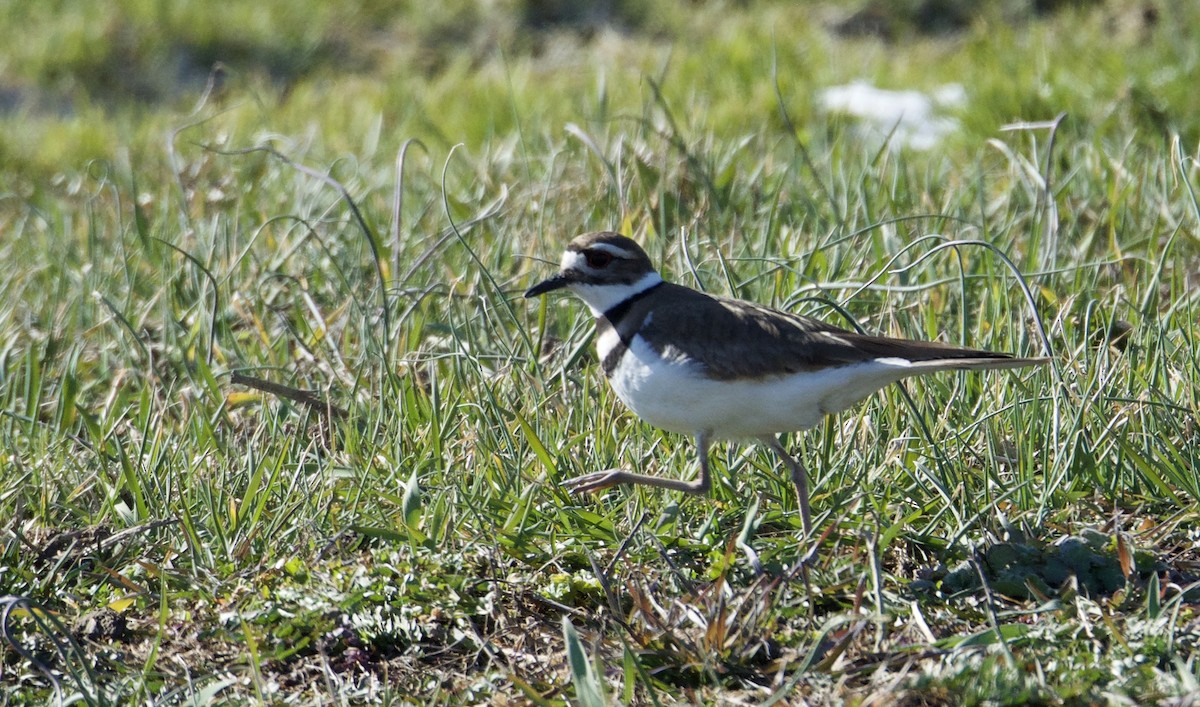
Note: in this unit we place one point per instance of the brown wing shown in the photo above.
(735, 339)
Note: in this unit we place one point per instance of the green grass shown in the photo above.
(240, 546)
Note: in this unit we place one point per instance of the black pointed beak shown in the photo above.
(555, 283)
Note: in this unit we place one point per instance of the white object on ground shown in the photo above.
(909, 117)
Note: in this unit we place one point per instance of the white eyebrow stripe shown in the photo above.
(613, 250)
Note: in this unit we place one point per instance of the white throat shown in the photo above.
(601, 298)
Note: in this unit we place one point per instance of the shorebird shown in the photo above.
(725, 369)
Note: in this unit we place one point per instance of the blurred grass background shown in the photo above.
(1001, 538)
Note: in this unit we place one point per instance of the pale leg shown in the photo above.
(799, 478)
(600, 480)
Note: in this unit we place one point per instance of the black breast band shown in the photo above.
(613, 317)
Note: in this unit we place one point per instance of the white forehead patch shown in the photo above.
(572, 260)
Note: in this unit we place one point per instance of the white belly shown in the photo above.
(674, 396)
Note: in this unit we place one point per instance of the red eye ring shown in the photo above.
(597, 259)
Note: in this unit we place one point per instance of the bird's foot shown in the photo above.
(595, 481)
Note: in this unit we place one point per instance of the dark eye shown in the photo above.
(597, 259)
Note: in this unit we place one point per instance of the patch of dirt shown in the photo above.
(103, 624)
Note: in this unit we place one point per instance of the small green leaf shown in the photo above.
(410, 504)
(1153, 604)
(629, 663)
(588, 690)
(208, 694)
(1143, 465)
(986, 637)
(539, 449)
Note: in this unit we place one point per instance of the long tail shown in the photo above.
(974, 364)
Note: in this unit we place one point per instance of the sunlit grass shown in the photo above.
(420, 547)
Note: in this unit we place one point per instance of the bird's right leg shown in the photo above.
(799, 478)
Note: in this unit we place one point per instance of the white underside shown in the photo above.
(674, 395)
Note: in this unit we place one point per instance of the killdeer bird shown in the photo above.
(720, 368)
